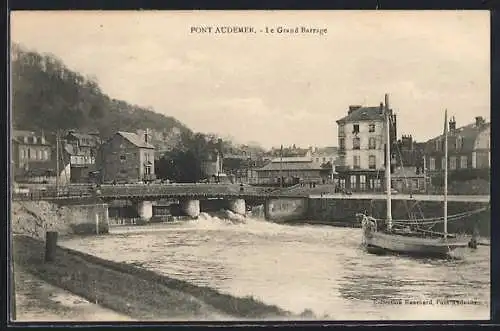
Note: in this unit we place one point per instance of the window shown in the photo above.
(353, 181)
(122, 157)
(147, 157)
(463, 162)
(442, 163)
(438, 144)
(432, 163)
(341, 129)
(372, 143)
(453, 163)
(362, 182)
(341, 144)
(356, 142)
(459, 143)
(29, 153)
(355, 161)
(147, 170)
(355, 128)
(371, 127)
(372, 162)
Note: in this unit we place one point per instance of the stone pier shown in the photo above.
(238, 206)
(285, 208)
(190, 207)
(145, 210)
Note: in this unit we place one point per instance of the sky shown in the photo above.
(278, 88)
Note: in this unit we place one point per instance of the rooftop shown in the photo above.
(134, 139)
(274, 166)
(363, 114)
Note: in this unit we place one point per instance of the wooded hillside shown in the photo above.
(47, 95)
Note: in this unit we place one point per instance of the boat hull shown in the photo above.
(380, 242)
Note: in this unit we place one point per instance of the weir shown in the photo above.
(190, 207)
(237, 206)
(145, 209)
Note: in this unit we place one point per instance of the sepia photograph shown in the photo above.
(249, 166)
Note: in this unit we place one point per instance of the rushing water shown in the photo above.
(305, 267)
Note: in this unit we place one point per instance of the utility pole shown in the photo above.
(57, 162)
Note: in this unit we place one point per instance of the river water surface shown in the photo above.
(320, 268)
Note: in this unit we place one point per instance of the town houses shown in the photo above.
(361, 139)
(357, 163)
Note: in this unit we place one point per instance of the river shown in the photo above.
(320, 268)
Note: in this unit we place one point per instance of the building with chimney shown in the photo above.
(81, 149)
(127, 158)
(34, 159)
(361, 147)
(468, 148)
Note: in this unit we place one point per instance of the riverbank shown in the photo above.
(39, 301)
(132, 291)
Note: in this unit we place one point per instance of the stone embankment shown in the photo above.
(34, 218)
(135, 292)
(129, 290)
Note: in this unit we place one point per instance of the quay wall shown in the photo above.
(341, 212)
(34, 218)
(285, 209)
(135, 291)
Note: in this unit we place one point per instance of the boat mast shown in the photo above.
(57, 163)
(281, 166)
(388, 163)
(445, 198)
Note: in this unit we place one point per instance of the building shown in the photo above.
(127, 157)
(409, 180)
(82, 150)
(292, 170)
(361, 150)
(211, 165)
(468, 148)
(326, 156)
(34, 159)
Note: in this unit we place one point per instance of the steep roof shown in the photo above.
(364, 114)
(291, 166)
(327, 150)
(18, 136)
(286, 159)
(468, 133)
(134, 139)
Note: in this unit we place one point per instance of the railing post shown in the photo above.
(50, 246)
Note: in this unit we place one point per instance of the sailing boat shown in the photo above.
(399, 238)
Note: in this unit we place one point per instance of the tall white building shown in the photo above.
(361, 141)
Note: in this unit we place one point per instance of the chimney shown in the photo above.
(453, 124)
(387, 101)
(381, 108)
(479, 121)
(353, 108)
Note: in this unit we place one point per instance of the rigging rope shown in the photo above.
(438, 219)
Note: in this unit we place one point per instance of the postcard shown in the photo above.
(250, 165)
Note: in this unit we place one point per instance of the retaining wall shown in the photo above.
(342, 212)
(34, 218)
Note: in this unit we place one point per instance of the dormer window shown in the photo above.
(341, 129)
(355, 128)
(371, 127)
(459, 143)
(438, 144)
